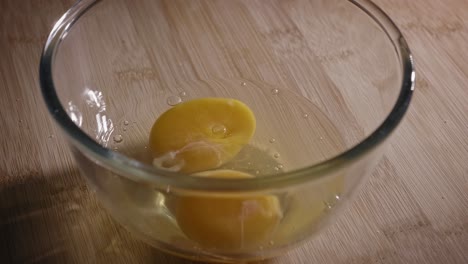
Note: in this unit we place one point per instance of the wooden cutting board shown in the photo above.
(414, 208)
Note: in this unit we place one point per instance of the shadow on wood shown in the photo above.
(55, 219)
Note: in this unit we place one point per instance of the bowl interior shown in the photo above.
(320, 76)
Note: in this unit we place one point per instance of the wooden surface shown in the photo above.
(413, 209)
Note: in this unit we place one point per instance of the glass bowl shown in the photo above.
(327, 80)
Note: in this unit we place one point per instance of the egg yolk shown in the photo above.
(201, 134)
(228, 223)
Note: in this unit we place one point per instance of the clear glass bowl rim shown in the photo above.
(140, 172)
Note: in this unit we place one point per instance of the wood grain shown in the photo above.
(414, 208)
